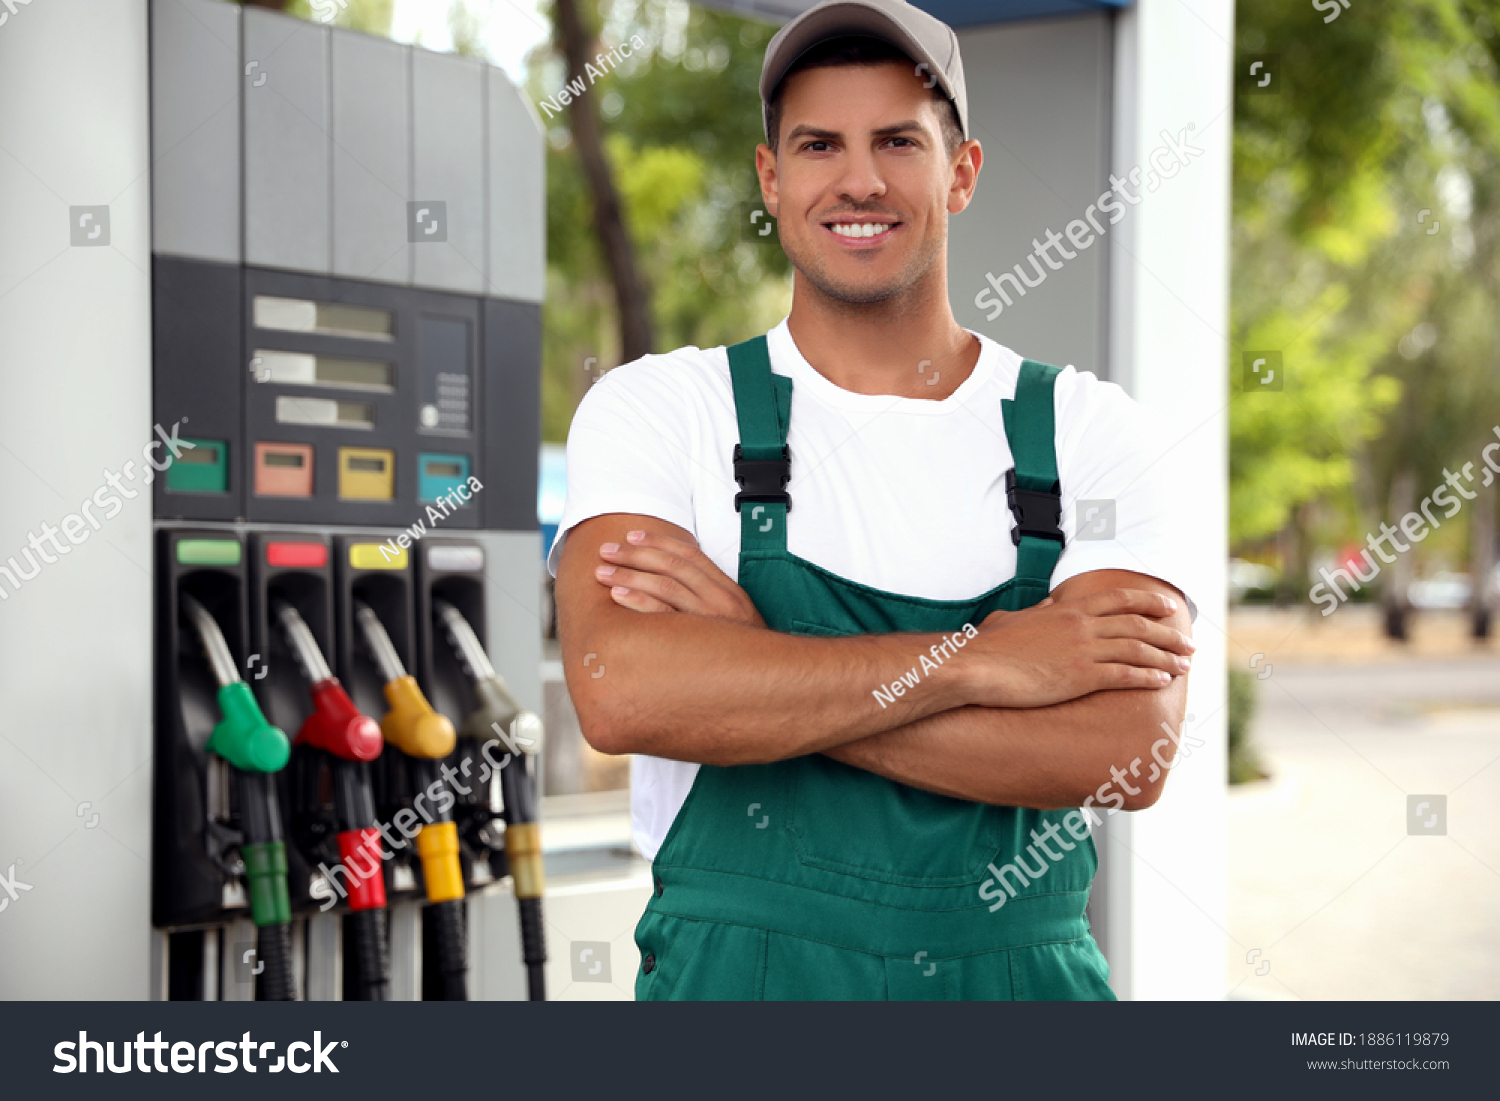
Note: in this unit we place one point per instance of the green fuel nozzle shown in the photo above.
(242, 737)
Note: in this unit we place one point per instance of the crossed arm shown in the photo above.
(1042, 709)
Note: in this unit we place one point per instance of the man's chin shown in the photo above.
(865, 291)
(848, 281)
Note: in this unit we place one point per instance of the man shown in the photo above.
(855, 720)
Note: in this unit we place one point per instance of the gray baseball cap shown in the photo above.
(929, 42)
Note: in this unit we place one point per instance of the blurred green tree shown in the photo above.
(1365, 250)
(682, 119)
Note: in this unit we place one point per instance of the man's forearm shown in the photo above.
(1044, 757)
(699, 677)
(741, 695)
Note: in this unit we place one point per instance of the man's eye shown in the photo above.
(903, 141)
(817, 146)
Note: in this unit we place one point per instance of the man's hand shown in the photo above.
(652, 572)
(1061, 649)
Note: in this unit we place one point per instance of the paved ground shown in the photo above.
(1326, 877)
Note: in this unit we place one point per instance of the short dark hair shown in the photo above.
(858, 50)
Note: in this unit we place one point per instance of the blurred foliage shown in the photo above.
(1244, 764)
(1386, 124)
(683, 119)
(370, 16)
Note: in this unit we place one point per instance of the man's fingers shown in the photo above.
(650, 540)
(637, 601)
(668, 590)
(650, 559)
(1128, 602)
(683, 563)
(1131, 676)
(1141, 655)
(1146, 629)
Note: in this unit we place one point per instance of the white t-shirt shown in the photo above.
(901, 494)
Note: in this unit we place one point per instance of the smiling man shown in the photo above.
(860, 723)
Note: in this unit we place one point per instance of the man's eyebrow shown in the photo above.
(899, 128)
(805, 131)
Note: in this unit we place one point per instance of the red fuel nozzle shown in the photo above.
(337, 726)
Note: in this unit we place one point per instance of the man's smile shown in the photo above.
(862, 231)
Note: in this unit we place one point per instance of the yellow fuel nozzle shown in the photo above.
(411, 724)
(413, 727)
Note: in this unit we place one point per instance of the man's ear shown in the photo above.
(967, 160)
(765, 168)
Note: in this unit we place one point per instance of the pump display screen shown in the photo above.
(444, 470)
(373, 466)
(300, 315)
(341, 414)
(208, 456)
(282, 458)
(306, 369)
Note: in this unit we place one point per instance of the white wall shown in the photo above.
(75, 372)
(1039, 106)
(1169, 320)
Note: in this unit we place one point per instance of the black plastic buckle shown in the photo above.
(763, 480)
(1036, 513)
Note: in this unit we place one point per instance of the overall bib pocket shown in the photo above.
(940, 841)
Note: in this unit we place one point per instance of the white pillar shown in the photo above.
(1164, 926)
(75, 369)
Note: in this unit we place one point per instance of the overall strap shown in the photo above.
(762, 461)
(1032, 487)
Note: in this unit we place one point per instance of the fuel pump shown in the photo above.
(426, 737)
(497, 712)
(255, 750)
(350, 740)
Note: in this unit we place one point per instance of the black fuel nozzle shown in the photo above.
(498, 713)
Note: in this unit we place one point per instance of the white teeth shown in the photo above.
(861, 229)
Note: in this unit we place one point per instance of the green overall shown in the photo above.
(811, 879)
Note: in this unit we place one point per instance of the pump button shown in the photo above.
(441, 557)
(377, 556)
(283, 469)
(201, 468)
(208, 552)
(306, 556)
(439, 475)
(367, 474)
